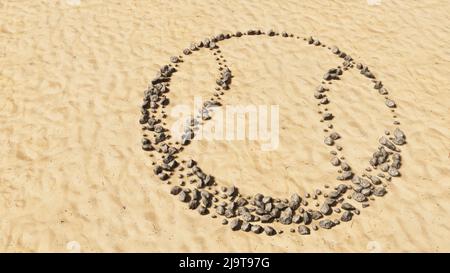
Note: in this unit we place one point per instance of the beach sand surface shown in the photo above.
(73, 176)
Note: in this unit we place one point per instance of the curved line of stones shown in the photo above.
(255, 213)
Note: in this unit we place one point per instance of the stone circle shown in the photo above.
(259, 213)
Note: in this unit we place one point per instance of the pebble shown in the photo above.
(175, 190)
(183, 196)
(335, 136)
(270, 231)
(202, 210)
(359, 197)
(346, 216)
(303, 230)
(325, 209)
(399, 137)
(379, 191)
(235, 224)
(174, 59)
(257, 229)
(393, 172)
(335, 50)
(390, 103)
(297, 219)
(326, 224)
(347, 206)
(328, 141)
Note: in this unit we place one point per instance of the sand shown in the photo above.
(74, 177)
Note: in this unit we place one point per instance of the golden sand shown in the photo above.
(73, 176)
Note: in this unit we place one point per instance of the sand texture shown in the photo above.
(73, 176)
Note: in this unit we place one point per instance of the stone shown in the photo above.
(359, 197)
(247, 217)
(183, 196)
(395, 164)
(326, 224)
(157, 169)
(365, 183)
(303, 230)
(366, 192)
(257, 229)
(345, 166)
(382, 91)
(220, 210)
(329, 76)
(335, 50)
(325, 209)
(267, 199)
(297, 219)
(379, 191)
(295, 201)
(270, 231)
(229, 213)
(286, 216)
(328, 141)
(307, 218)
(347, 206)
(175, 190)
(316, 215)
(330, 201)
(191, 163)
(384, 167)
(393, 172)
(186, 51)
(163, 176)
(335, 161)
(321, 89)
(335, 136)
(390, 103)
(231, 191)
(399, 137)
(193, 47)
(378, 85)
(327, 116)
(193, 204)
(342, 188)
(266, 218)
(246, 227)
(365, 71)
(385, 142)
(357, 188)
(346, 175)
(346, 216)
(174, 59)
(202, 210)
(318, 95)
(235, 224)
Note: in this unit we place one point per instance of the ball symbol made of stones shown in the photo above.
(261, 213)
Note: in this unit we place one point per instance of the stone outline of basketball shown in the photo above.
(247, 213)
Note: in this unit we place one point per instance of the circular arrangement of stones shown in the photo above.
(301, 213)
